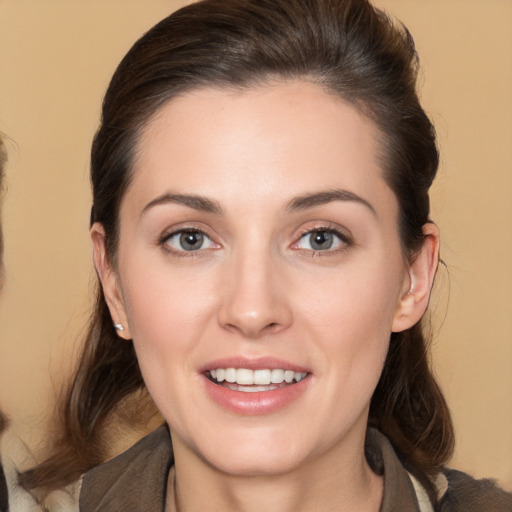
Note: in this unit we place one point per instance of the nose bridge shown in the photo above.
(253, 300)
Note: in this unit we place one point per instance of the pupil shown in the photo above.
(321, 240)
(191, 241)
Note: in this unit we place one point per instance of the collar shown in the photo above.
(137, 479)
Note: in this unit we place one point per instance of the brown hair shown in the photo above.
(353, 51)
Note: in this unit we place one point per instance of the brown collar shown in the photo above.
(135, 480)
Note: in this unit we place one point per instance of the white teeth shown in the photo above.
(245, 377)
(264, 377)
(230, 375)
(288, 376)
(277, 376)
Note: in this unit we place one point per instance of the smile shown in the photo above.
(255, 391)
(251, 381)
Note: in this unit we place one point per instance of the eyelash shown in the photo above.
(163, 241)
(344, 241)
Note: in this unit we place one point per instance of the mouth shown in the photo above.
(253, 381)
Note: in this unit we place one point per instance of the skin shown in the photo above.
(258, 288)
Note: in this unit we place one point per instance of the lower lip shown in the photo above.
(255, 403)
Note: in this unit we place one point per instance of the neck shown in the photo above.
(327, 483)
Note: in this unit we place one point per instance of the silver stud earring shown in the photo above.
(119, 327)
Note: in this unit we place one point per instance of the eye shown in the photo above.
(321, 240)
(188, 240)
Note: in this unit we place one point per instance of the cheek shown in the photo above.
(349, 315)
(353, 301)
(166, 310)
(167, 316)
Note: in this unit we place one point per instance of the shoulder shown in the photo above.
(13, 456)
(456, 491)
(134, 480)
(463, 493)
(3, 490)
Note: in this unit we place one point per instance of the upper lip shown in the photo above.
(256, 363)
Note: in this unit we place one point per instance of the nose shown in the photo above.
(254, 298)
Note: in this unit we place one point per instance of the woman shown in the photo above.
(261, 233)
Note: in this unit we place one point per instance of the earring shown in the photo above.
(119, 327)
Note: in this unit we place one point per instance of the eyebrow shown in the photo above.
(327, 196)
(195, 202)
(304, 202)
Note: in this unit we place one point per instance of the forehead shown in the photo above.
(283, 138)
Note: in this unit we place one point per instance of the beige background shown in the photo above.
(56, 57)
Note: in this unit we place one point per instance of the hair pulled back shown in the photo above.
(350, 49)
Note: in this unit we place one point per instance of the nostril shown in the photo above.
(274, 326)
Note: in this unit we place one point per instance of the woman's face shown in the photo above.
(259, 244)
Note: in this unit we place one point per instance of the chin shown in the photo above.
(255, 464)
(256, 454)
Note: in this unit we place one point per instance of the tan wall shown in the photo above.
(56, 57)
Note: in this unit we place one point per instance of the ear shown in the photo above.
(109, 281)
(417, 287)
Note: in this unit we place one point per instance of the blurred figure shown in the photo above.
(4, 499)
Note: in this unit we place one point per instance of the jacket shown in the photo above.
(4, 501)
(136, 481)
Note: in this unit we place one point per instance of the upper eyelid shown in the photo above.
(187, 228)
(344, 233)
(173, 232)
(328, 229)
